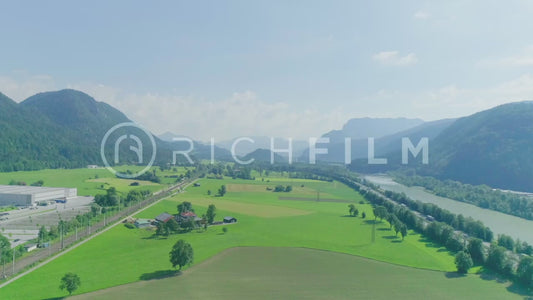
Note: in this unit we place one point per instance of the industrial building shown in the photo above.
(32, 195)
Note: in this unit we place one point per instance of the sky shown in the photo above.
(275, 68)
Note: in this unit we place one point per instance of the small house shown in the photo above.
(164, 217)
(142, 223)
(230, 220)
(186, 216)
(30, 247)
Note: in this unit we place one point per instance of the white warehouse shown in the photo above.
(31, 195)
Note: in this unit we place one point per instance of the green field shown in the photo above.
(122, 255)
(296, 273)
(88, 181)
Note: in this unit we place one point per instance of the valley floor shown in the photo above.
(296, 273)
(279, 228)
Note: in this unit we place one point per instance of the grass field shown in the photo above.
(88, 181)
(122, 255)
(296, 273)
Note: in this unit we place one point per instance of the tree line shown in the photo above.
(469, 251)
(479, 195)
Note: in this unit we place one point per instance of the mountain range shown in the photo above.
(64, 129)
(492, 147)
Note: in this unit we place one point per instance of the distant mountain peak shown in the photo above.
(74, 108)
(5, 100)
(362, 128)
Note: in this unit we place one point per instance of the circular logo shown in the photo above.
(138, 149)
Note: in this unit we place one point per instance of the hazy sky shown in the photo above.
(282, 68)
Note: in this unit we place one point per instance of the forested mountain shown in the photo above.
(492, 147)
(64, 129)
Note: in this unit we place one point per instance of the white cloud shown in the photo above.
(522, 59)
(242, 114)
(19, 85)
(422, 15)
(393, 58)
(245, 113)
(454, 101)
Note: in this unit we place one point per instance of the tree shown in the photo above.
(225, 229)
(211, 213)
(70, 282)
(524, 272)
(351, 209)
(356, 212)
(393, 220)
(506, 241)
(363, 215)
(38, 183)
(172, 225)
(42, 236)
(497, 260)
(185, 207)
(181, 254)
(279, 188)
(288, 189)
(188, 224)
(403, 231)
(455, 243)
(5, 250)
(475, 248)
(463, 261)
(398, 227)
(222, 191)
(380, 212)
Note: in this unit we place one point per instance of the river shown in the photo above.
(498, 222)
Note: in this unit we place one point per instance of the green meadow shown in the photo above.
(89, 181)
(296, 273)
(123, 255)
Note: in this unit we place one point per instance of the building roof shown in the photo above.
(25, 190)
(188, 214)
(229, 218)
(164, 217)
(142, 221)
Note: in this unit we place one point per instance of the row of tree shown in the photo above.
(280, 188)
(469, 252)
(459, 222)
(18, 182)
(479, 195)
(113, 198)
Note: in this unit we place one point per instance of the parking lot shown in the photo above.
(23, 224)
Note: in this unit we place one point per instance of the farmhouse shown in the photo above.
(164, 217)
(230, 220)
(186, 216)
(142, 223)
